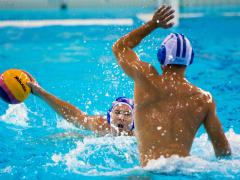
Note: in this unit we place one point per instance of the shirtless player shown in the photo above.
(168, 109)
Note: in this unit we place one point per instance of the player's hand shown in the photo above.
(33, 84)
(163, 16)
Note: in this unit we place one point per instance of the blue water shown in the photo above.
(77, 65)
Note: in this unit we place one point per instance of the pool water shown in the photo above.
(76, 64)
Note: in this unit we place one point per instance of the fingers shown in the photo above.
(167, 9)
(170, 12)
(29, 84)
(164, 11)
(168, 18)
(30, 76)
(163, 16)
(34, 87)
(168, 25)
(161, 8)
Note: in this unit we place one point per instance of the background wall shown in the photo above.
(27, 4)
(16, 4)
(209, 2)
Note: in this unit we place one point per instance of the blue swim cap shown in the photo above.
(176, 49)
(121, 100)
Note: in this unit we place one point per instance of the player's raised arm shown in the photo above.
(123, 48)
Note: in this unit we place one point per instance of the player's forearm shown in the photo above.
(65, 109)
(133, 38)
(222, 149)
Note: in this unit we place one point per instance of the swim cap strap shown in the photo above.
(192, 57)
(161, 54)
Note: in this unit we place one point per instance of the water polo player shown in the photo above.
(168, 109)
(119, 120)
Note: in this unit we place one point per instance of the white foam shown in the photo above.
(56, 158)
(16, 114)
(71, 158)
(64, 124)
(66, 22)
(202, 159)
(74, 159)
(7, 169)
(192, 164)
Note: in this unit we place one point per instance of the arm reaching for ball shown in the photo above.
(69, 112)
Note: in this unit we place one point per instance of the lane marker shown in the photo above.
(97, 22)
(148, 16)
(66, 22)
(191, 15)
(231, 14)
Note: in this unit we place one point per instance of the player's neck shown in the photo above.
(174, 71)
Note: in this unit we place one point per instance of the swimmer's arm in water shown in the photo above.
(98, 124)
(216, 133)
(123, 48)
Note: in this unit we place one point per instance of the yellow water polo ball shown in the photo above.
(13, 86)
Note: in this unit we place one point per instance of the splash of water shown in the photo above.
(63, 124)
(17, 115)
(202, 160)
(118, 156)
(96, 156)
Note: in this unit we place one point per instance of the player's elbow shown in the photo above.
(114, 48)
(117, 46)
(117, 51)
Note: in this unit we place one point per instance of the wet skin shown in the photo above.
(168, 109)
(121, 115)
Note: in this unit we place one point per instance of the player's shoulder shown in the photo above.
(148, 68)
(204, 96)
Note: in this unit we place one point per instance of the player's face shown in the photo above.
(121, 117)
